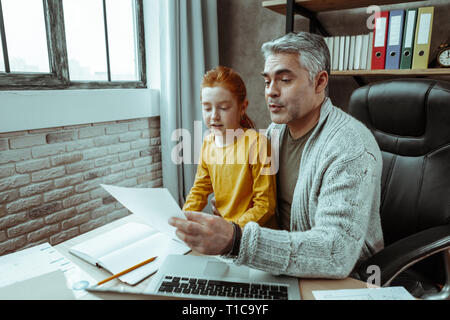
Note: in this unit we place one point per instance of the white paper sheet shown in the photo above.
(394, 31)
(410, 29)
(380, 32)
(109, 241)
(154, 205)
(424, 28)
(388, 293)
(49, 286)
(39, 260)
(159, 245)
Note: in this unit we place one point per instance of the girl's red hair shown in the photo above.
(229, 79)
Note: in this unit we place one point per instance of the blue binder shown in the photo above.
(395, 35)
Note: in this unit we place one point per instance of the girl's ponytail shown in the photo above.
(246, 122)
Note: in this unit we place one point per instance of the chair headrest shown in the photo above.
(407, 116)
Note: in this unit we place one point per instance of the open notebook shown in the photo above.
(126, 246)
(133, 243)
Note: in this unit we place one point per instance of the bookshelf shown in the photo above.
(310, 8)
(396, 72)
(316, 6)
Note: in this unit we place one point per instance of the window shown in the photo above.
(71, 44)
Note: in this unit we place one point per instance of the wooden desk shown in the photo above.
(306, 285)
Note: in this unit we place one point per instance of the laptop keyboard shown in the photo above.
(225, 289)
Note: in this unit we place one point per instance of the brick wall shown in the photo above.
(49, 178)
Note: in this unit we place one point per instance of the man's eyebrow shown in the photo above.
(278, 72)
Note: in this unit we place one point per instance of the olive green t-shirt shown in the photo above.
(290, 155)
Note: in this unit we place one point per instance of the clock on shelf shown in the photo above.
(443, 56)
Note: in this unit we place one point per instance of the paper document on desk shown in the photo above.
(49, 286)
(23, 266)
(388, 293)
(154, 205)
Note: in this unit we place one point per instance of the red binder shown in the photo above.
(380, 40)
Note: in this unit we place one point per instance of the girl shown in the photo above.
(233, 155)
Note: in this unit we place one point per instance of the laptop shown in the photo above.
(210, 277)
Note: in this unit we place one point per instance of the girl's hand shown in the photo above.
(213, 205)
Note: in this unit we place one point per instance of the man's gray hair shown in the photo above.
(312, 49)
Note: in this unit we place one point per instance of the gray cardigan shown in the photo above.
(335, 220)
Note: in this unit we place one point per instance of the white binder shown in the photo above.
(364, 49)
(346, 52)
(341, 52)
(336, 53)
(358, 45)
(369, 51)
(351, 56)
(330, 47)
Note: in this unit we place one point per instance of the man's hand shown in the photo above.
(204, 233)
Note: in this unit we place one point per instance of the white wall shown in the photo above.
(35, 109)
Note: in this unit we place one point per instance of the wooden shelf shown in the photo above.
(279, 6)
(308, 8)
(398, 72)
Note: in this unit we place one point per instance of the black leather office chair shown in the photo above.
(410, 119)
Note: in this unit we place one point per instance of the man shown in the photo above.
(328, 182)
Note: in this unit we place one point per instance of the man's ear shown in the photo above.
(321, 81)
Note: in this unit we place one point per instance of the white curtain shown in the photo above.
(189, 48)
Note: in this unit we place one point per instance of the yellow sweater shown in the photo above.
(234, 174)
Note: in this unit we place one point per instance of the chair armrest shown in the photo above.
(402, 254)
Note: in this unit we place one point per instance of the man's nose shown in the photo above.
(272, 90)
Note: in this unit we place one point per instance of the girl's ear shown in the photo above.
(244, 106)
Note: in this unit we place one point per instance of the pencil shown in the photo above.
(127, 270)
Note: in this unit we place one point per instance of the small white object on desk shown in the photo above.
(388, 293)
